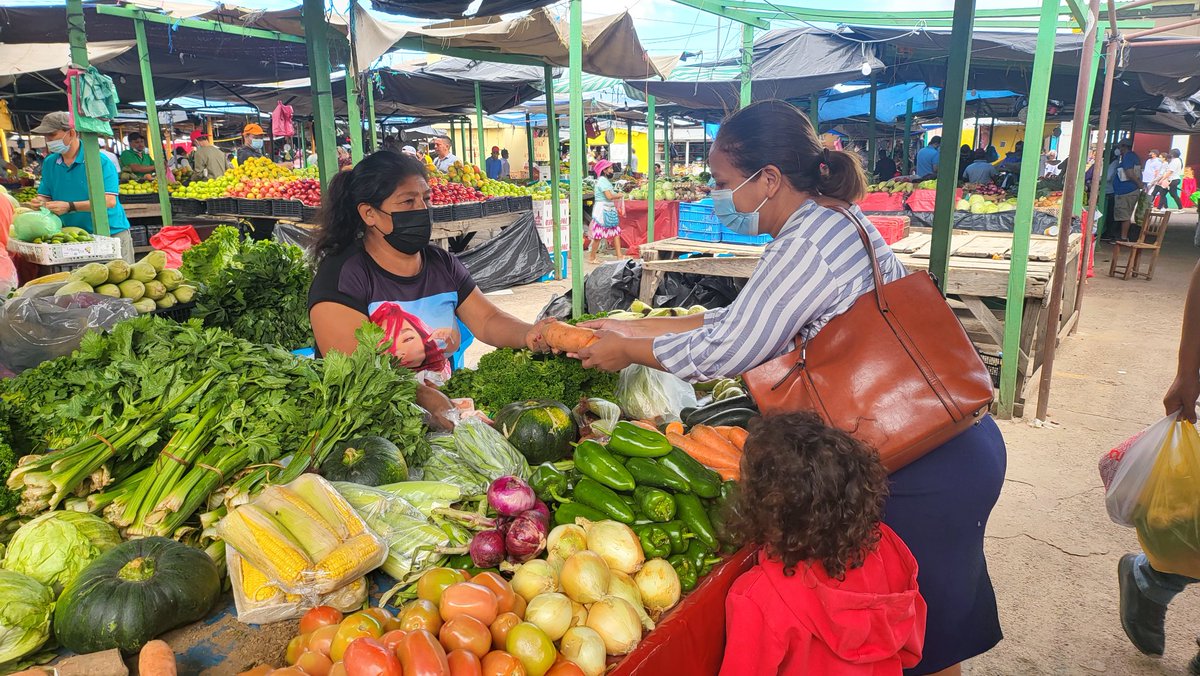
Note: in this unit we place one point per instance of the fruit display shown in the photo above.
(494, 188)
(134, 187)
(979, 204)
(445, 192)
(1053, 200)
(893, 186)
(148, 284)
(989, 191)
(25, 194)
(466, 174)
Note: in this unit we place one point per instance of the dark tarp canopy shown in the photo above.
(454, 9)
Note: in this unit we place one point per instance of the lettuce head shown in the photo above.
(54, 547)
(24, 616)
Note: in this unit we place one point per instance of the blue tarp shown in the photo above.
(890, 102)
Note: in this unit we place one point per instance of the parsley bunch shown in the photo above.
(508, 375)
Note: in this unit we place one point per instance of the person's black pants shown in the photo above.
(1172, 189)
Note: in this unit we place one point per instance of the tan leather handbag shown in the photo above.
(896, 370)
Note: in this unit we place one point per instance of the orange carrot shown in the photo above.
(711, 437)
(735, 435)
(566, 338)
(676, 427)
(156, 659)
(728, 473)
(701, 452)
(645, 424)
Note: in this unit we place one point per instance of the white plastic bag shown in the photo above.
(1123, 494)
(644, 393)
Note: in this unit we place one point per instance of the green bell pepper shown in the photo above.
(656, 544)
(594, 461)
(602, 498)
(691, 512)
(704, 482)
(637, 442)
(701, 558)
(685, 570)
(655, 503)
(678, 534)
(549, 483)
(647, 472)
(566, 514)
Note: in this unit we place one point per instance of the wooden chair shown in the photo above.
(1154, 229)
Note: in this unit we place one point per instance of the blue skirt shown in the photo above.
(939, 505)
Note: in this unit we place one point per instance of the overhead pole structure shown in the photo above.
(1071, 188)
(529, 141)
(353, 117)
(872, 131)
(1014, 307)
(152, 126)
(479, 123)
(814, 111)
(555, 170)
(578, 153)
(651, 123)
(629, 147)
(954, 104)
(908, 118)
(316, 32)
(369, 91)
(745, 95)
(89, 145)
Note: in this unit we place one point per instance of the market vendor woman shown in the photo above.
(376, 263)
(771, 172)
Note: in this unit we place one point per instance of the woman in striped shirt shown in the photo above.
(772, 175)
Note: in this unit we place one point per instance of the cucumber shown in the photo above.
(702, 414)
(738, 417)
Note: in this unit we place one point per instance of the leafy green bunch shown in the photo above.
(508, 375)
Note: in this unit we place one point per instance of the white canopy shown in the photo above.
(32, 57)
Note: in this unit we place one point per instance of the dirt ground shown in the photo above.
(1052, 550)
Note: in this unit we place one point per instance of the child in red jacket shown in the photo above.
(835, 590)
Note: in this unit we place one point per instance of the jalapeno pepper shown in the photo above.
(604, 499)
(678, 534)
(647, 472)
(549, 483)
(655, 503)
(656, 544)
(704, 482)
(691, 512)
(685, 570)
(594, 461)
(569, 512)
(633, 441)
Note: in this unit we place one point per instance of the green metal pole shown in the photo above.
(667, 144)
(955, 105)
(303, 145)
(578, 154)
(529, 139)
(468, 140)
(555, 167)
(1026, 193)
(152, 129)
(814, 115)
(88, 143)
(316, 32)
(479, 125)
(353, 116)
(628, 147)
(907, 137)
(453, 141)
(373, 144)
(747, 60)
(651, 123)
(872, 132)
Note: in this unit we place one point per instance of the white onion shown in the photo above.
(617, 623)
(623, 587)
(552, 613)
(617, 544)
(578, 614)
(565, 540)
(659, 584)
(585, 577)
(585, 648)
(535, 577)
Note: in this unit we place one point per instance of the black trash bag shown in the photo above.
(559, 307)
(997, 222)
(679, 289)
(37, 327)
(516, 256)
(612, 286)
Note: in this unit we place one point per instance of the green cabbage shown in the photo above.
(54, 547)
(25, 616)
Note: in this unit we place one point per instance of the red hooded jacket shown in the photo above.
(872, 622)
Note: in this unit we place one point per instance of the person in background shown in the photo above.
(1168, 183)
(885, 167)
(491, 166)
(33, 161)
(409, 150)
(312, 156)
(633, 163)
(344, 160)
(179, 161)
(252, 143)
(106, 151)
(1127, 187)
(135, 159)
(443, 159)
(505, 168)
(208, 160)
(992, 154)
(834, 591)
(1012, 161)
(965, 156)
(64, 187)
(927, 159)
(606, 214)
(1048, 164)
(1150, 175)
(980, 170)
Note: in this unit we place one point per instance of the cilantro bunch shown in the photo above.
(508, 375)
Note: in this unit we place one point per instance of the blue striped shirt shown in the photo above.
(812, 272)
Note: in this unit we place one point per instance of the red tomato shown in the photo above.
(565, 668)
(499, 629)
(519, 604)
(500, 663)
(338, 669)
(320, 640)
(468, 598)
(463, 663)
(368, 657)
(386, 619)
(393, 638)
(466, 633)
(421, 614)
(288, 671)
(422, 655)
(314, 664)
(505, 597)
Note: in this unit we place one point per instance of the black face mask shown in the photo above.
(410, 231)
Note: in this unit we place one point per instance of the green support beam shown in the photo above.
(954, 105)
(529, 139)
(479, 155)
(354, 118)
(1035, 125)
(667, 144)
(814, 111)
(747, 61)
(317, 32)
(153, 132)
(722, 8)
(1078, 13)
(628, 148)
(651, 123)
(453, 138)
(199, 24)
(908, 117)
(88, 143)
(872, 130)
(760, 8)
(555, 168)
(370, 98)
(578, 153)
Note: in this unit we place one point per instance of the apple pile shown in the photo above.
(444, 192)
(307, 190)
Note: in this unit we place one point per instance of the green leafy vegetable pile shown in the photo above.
(508, 375)
(258, 290)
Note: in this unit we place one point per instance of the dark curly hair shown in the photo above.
(808, 493)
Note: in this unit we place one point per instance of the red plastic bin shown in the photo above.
(923, 200)
(893, 228)
(882, 201)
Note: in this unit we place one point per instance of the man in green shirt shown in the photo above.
(135, 159)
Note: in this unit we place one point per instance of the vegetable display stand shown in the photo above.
(441, 214)
(308, 214)
(498, 205)
(140, 198)
(467, 210)
(690, 638)
(247, 207)
(882, 201)
(520, 203)
(100, 248)
(181, 206)
(138, 234)
(634, 229)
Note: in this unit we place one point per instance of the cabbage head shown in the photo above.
(25, 616)
(54, 547)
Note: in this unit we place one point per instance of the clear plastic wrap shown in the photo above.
(37, 326)
(1135, 458)
(259, 601)
(644, 393)
(1168, 513)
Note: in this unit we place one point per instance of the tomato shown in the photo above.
(532, 647)
(321, 616)
(366, 656)
(505, 597)
(295, 647)
(393, 638)
(421, 655)
(434, 582)
(468, 598)
(421, 614)
(519, 604)
(565, 668)
(500, 628)
(319, 640)
(466, 633)
(356, 626)
(386, 619)
(314, 664)
(500, 663)
(338, 669)
(463, 663)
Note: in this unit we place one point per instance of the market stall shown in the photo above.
(634, 224)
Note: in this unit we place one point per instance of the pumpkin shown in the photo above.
(369, 461)
(133, 593)
(542, 430)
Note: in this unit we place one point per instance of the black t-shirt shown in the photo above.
(417, 313)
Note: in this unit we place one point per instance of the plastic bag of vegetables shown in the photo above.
(54, 547)
(259, 601)
(488, 451)
(449, 466)
(644, 393)
(24, 616)
(31, 225)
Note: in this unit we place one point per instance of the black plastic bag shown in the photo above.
(516, 256)
(679, 289)
(612, 286)
(37, 329)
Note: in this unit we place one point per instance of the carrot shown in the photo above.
(676, 427)
(156, 659)
(701, 452)
(735, 435)
(711, 437)
(566, 338)
(645, 424)
(728, 473)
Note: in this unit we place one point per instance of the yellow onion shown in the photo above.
(617, 623)
(585, 577)
(552, 613)
(535, 577)
(659, 584)
(617, 544)
(565, 540)
(585, 648)
(578, 614)
(623, 587)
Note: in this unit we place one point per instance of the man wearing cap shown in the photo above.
(505, 169)
(252, 143)
(1127, 187)
(443, 159)
(135, 159)
(491, 166)
(208, 161)
(64, 187)
(409, 150)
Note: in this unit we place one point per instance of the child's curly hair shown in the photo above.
(809, 492)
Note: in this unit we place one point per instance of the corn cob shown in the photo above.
(46, 279)
(255, 584)
(307, 527)
(258, 537)
(354, 557)
(329, 504)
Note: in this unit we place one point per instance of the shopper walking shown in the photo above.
(606, 212)
(1127, 188)
(1150, 176)
(1169, 179)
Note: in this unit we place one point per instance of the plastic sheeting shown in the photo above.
(37, 329)
(1001, 222)
(891, 102)
(453, 9)
(516, 256)
(679, 289)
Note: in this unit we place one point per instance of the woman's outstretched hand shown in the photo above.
(609, 352)
(534, 339)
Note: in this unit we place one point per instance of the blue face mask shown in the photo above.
(57, 146)
(256, 143)
(741, 222)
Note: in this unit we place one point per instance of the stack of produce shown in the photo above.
(148, 283)
(979, 204)
(466, 174)
(988, 191)
(663, 190)
(135, 187)
(690, 191)
(449, 192)
(640, 310)
(25, 194)
(35, 225)
(494, 188)
(67, 235)
(893, 186)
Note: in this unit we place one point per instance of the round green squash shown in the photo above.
(134, 592)
(369, 461)
(542, 430)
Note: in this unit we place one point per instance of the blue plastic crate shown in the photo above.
(730, 237)
(698, 235)
(549, 276)
(698, 217)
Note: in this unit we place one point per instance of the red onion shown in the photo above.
(526, 537)
(541, 511)
(510, 496)
(487, 549)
